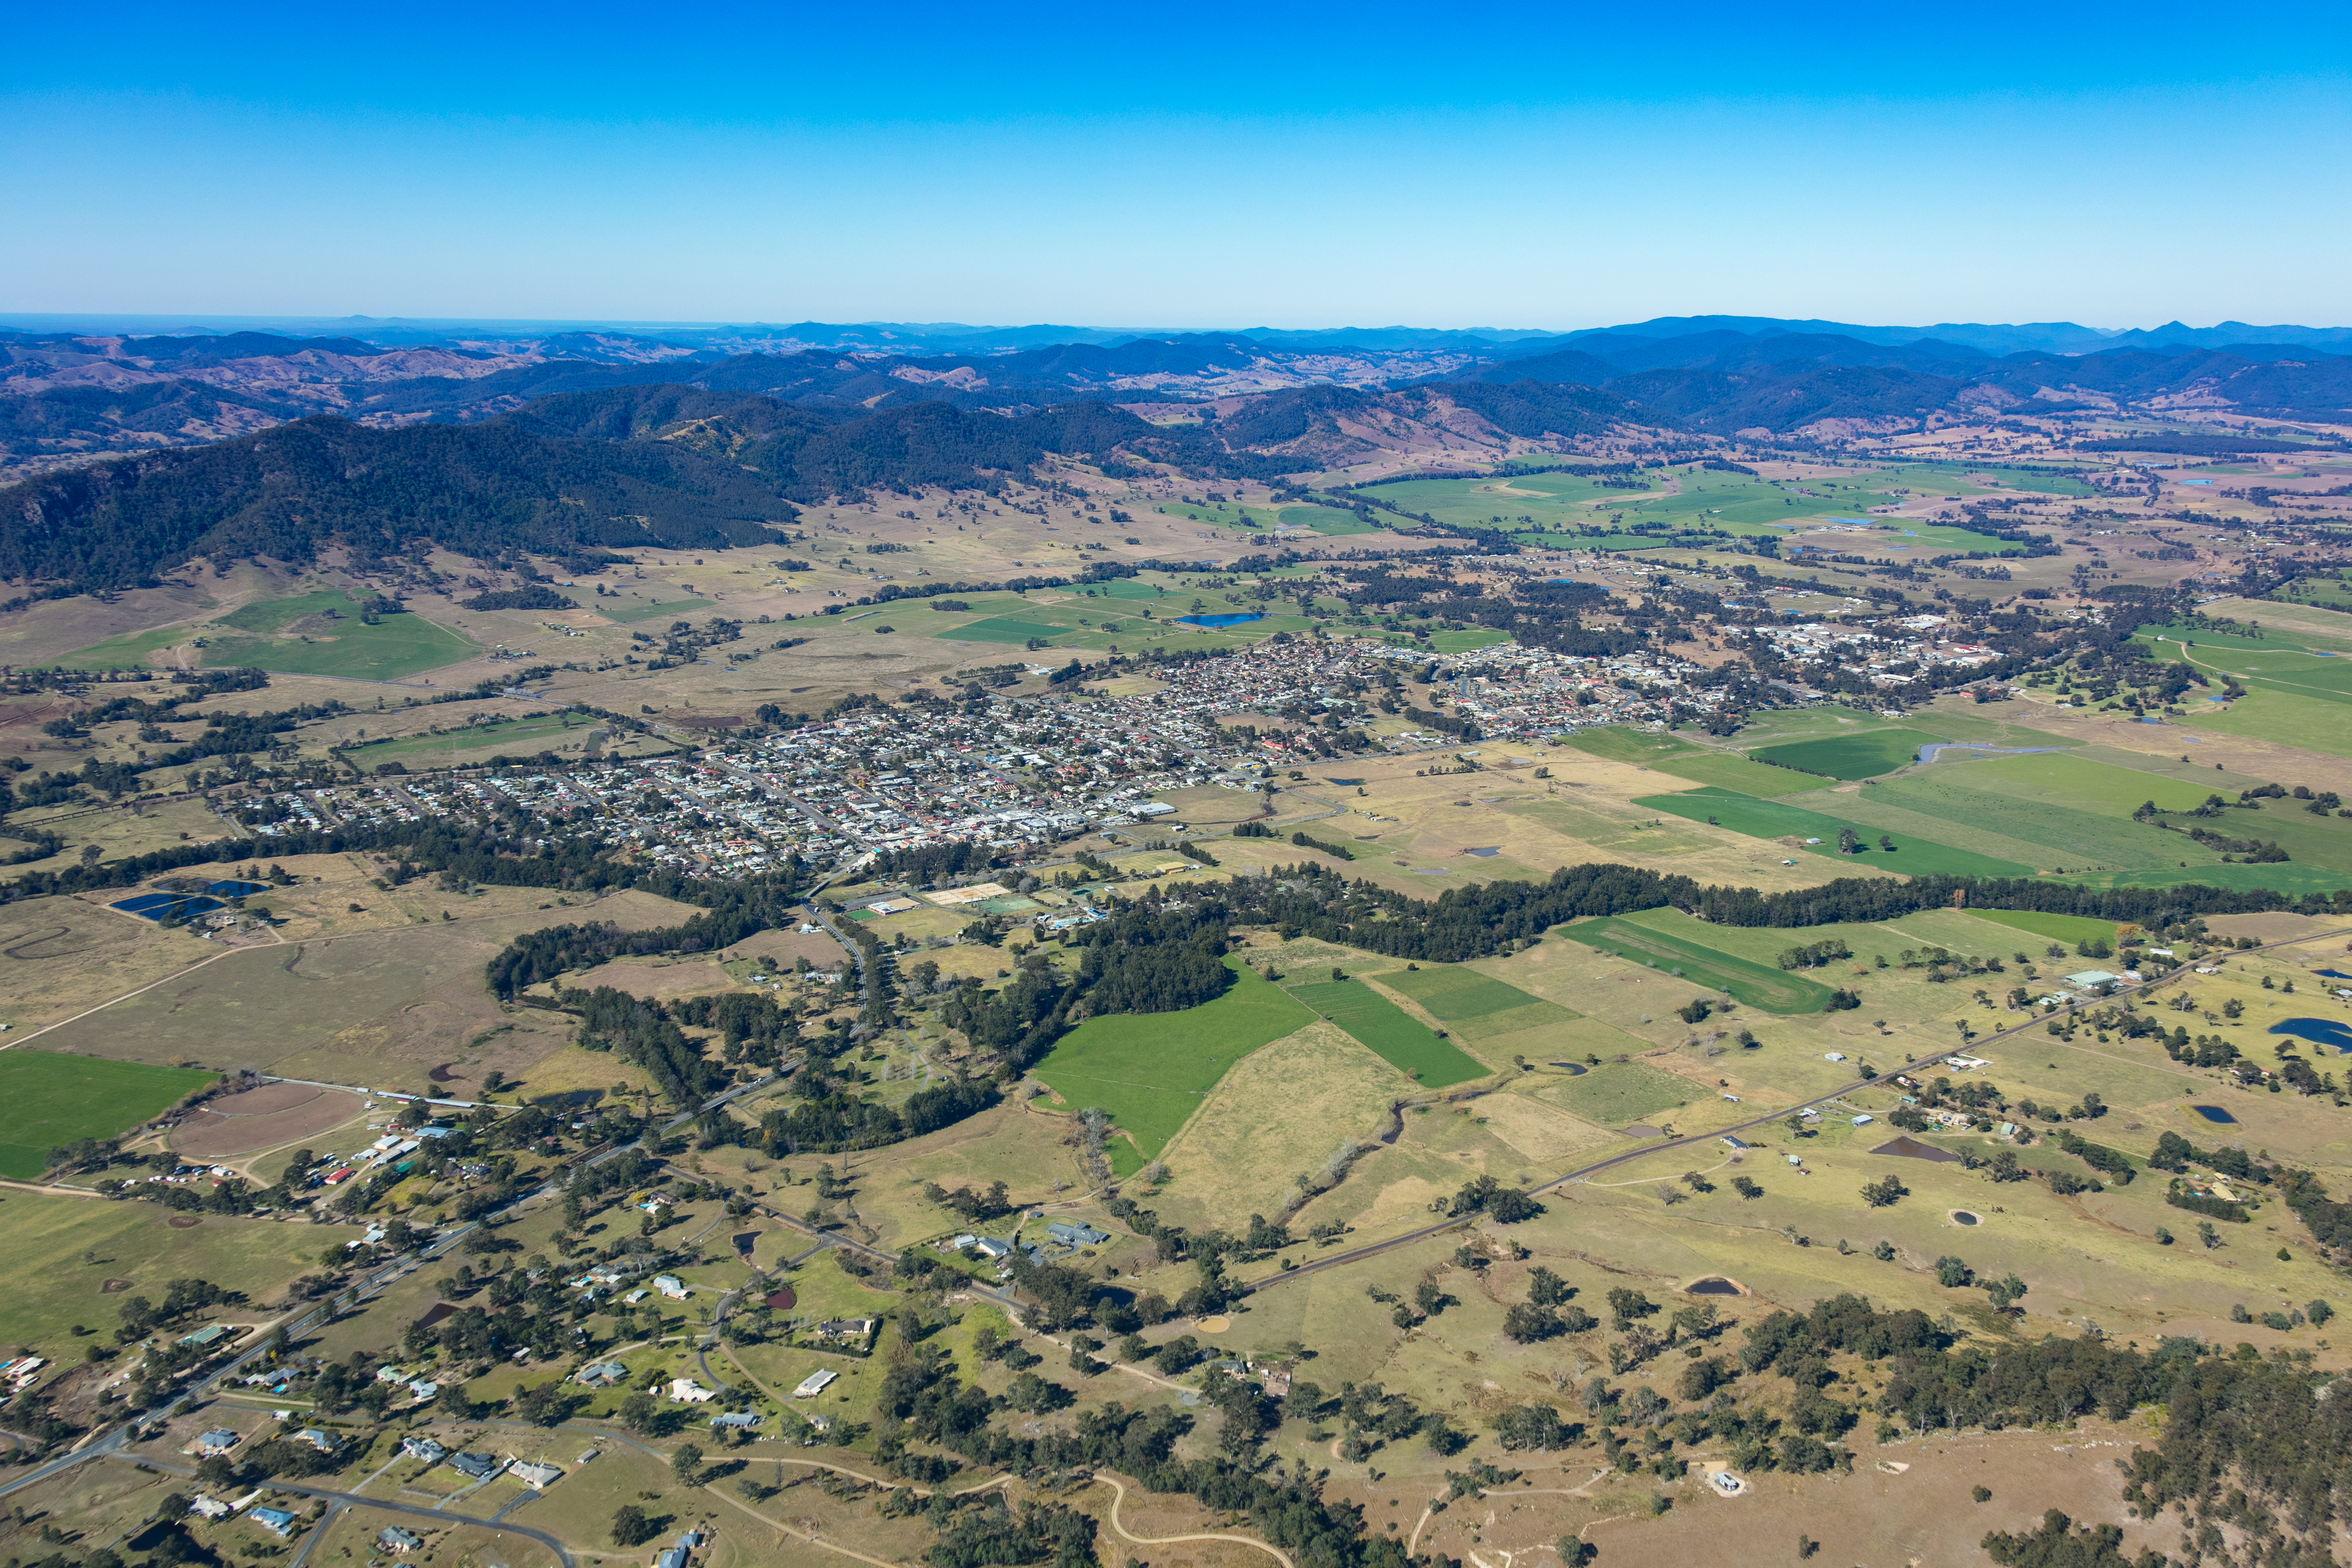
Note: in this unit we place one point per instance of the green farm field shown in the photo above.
(1757, 985)
(1669, 753)
(2073, 928)
(322, 633)
(61, 1099)
(129, 651)
(627, 611)
(1150, 1070)
(1857, 756)
(1477, 1005)
(1775, 819)
(1383, 1026)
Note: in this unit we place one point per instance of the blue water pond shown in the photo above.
(2214, 1113)
(1212, 622)
(158, 906)
(2318, 1031)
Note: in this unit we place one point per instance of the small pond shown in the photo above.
(1713, 1285)
(2214, 1113)
(1962, 1216)
(172, 906)
(1574, 1069)
(2318, 1031)
(1237, 618)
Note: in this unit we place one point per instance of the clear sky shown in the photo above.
(1182, 164)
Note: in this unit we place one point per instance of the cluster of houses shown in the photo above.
(1013, 774)
(1059, 1240)
(480, 1468)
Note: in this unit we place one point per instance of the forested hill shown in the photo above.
(668, 466)
(481, 490)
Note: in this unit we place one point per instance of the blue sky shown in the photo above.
(1182, 165)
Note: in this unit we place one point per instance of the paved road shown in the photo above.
(339, 1499)
(1356, 1255)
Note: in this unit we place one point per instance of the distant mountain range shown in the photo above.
(75, 390)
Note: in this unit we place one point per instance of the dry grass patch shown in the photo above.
(1276, 1117)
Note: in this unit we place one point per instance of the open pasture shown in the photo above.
(322, 633)
(1150, 1070)
(1861, 756)
(58, 1100)
(1477, 1005)
(1618, 1092)
(1755, 984)
(129, 651)
(522, 736)
(1669, 753)
(1283, 1110)
(1397, 1040)
(2072, 929)
(1774, 819)
(73, 1246)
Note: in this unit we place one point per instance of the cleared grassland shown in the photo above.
(2055, 928)
(1667, 754)
(1151, 1071)
(1859, 756)
(395, 648)
(1278, 1117)
(526, 736)
(60, 1100)
(60, 957)
(1379, 1024)
(1753, 984)
(1500, 1016)
(1618, 1092)
(1777, 819)
(72, 1246)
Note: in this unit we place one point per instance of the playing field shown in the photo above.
(1397, 1040)
(1150, 1070)
(1774, 819)
(523, 735)
(1753, 984)
(60, 1100)
(322, 633)
(1863, 756)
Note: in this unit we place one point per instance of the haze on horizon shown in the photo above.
(1553, 168)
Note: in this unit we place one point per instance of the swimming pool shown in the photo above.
(1215, 622)
(2318, 1031)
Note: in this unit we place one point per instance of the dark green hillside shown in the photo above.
(673, 466)
(1785, 396)
(481, 490)
(1534, 409)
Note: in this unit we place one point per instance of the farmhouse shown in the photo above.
(394, 1539)
(536, 1477)
(686, 1391)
